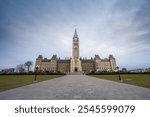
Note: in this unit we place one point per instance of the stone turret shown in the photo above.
(53, 63)
(97, 62)
(112, 62)
(38, 62)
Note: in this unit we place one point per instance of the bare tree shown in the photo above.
(20, 68)
(28, 64)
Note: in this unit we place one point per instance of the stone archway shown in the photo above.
(76, 69)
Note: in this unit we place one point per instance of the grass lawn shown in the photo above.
(13, 81)
(142, 80)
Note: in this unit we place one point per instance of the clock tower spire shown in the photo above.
(75, 61)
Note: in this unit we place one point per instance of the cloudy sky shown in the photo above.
(32, 27)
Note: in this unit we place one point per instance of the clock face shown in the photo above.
(75, 44)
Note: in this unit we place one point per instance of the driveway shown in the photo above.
(77, 87)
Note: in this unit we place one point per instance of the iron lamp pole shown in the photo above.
(119, 73)
(36, 69)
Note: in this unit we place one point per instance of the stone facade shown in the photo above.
(76, 63)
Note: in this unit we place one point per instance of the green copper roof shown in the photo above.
(75, 34)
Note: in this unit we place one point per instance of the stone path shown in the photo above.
(77, 87)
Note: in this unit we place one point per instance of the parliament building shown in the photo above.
(76, 63)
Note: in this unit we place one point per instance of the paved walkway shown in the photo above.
(77, 87)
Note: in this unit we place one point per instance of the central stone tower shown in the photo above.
(75, 60)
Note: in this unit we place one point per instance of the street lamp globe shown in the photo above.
(117, 68)
(37, 67)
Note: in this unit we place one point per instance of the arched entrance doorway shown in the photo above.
(76, 69)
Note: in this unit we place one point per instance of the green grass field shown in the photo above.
(142, 80)
(13, 81)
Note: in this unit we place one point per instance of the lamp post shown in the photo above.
(119, 73)
(36, 69)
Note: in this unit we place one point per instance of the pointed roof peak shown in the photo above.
(75, 34)
(75, 30)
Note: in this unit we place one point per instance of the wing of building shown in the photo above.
(76, 63)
